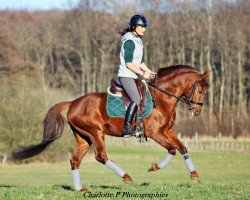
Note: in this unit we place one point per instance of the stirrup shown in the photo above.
(128, 132)
(140, 132)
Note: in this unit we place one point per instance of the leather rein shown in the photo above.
(182, 98)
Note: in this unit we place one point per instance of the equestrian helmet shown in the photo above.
(138, 20)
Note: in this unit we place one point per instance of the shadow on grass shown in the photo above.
(115, 187)
(7, 186)
(104, 187)
(69, 188)
(65, 187)
(145, 184)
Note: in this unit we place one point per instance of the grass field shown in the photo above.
(223, 176)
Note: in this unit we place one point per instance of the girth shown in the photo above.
(117, 89)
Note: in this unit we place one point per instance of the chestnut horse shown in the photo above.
(89, 121)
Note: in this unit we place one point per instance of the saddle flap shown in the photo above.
(116, 108)
(116, 89)
(141, 86)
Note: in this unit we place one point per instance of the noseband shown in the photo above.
(189, 101)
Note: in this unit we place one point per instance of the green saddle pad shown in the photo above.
(116, 108)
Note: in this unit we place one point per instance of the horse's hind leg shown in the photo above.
(76, 158)
(101, 156)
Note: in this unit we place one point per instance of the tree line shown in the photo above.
(78, 49)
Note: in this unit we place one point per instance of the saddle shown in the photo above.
(117, 89)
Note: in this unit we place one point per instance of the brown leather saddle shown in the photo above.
(116, 88)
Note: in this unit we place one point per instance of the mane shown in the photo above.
(176, 68)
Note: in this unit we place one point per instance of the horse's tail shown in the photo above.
(54, 123)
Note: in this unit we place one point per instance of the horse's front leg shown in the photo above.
(164, 142)
(183, 150)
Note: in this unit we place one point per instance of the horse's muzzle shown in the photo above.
(193, 112)
(197, 113)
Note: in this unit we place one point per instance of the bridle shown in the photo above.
(189, 101)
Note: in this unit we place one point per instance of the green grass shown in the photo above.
(223, 176)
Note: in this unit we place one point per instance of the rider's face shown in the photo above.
(140, 30)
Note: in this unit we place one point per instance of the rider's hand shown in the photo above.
(147, 75)
(152, 75)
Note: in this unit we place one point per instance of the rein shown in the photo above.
(183, 99)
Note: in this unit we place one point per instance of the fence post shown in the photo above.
(220, 136)
(217, 146)
(4, 159)
(212, 146)
(196, 134)
(179, 136)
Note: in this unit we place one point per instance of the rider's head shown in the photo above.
(136, 21)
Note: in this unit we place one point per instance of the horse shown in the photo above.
(88, 119)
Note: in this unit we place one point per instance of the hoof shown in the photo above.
(127, 179)
(153, 167)
(195, 177)
(84, 190)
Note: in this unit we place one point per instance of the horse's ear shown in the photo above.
(206, 74)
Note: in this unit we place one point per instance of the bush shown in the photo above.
(22, 110)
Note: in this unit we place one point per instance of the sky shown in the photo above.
(53, 4)
(35, 4)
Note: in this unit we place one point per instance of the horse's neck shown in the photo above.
(177, 84)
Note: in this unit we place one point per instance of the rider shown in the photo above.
(132, 65)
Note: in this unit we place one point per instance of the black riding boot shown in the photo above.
(130, 113)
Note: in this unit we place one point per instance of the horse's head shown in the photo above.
(192, 85)
(196, 94)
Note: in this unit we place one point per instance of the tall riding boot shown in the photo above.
(130, 113)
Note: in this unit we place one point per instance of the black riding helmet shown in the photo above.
(138, 20)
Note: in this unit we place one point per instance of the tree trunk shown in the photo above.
(233, 101)
(170, 53)
(192, 57)
(241, 101)
(44, 86)
(83, 75)
(222, 87)
(94, 76)
(183, 55)
(193, 47)
(201, 61)
(228, 89)
(211, 86)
